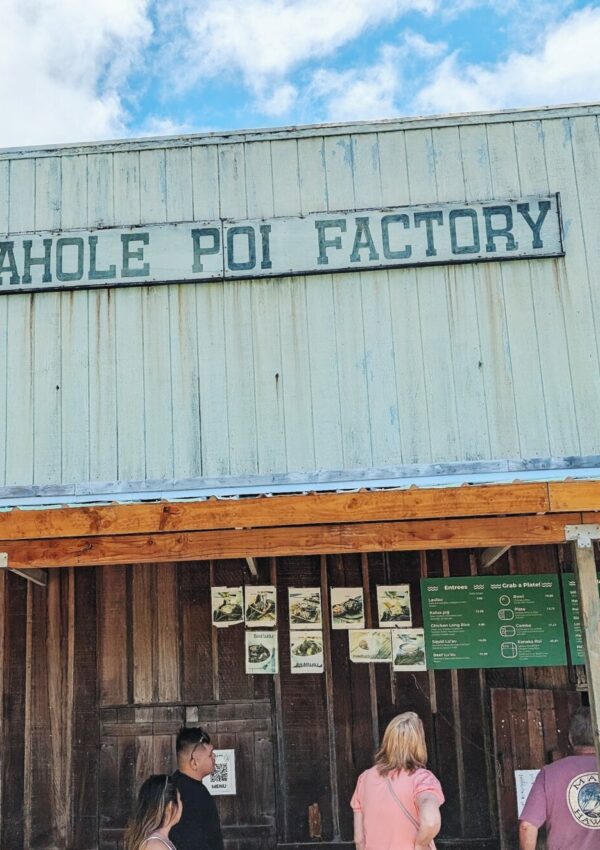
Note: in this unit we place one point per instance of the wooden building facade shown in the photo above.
(351, 426)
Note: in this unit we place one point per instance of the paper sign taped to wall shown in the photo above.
(222, 781)
(524, 779)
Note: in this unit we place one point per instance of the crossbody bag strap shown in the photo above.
(411, 818)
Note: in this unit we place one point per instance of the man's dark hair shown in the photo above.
(190, 736)
(581, 731)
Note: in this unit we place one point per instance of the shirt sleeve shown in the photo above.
(426, 783)
(356, 801)
(535, 810)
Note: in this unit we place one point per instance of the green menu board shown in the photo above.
(493, 621)
(573, 616)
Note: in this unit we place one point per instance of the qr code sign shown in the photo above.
(222, 779)
(221, 772)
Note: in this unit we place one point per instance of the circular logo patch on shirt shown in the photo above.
(583, 800)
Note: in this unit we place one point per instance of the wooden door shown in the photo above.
(136, 742)
(531, 729)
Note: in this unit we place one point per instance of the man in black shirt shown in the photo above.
(199, 827)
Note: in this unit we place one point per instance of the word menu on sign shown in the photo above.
(573, 617)
(493, 621)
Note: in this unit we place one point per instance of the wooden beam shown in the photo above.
(305, 540)
(574, 495)
(263, 512)
(589, 602)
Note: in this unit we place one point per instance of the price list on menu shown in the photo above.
(493, 621)
(573, 617)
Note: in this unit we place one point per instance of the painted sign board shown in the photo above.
(493, 621)
(280, 247)
(573, 617)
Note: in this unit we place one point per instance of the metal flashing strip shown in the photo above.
(307, 130)
(453, 474)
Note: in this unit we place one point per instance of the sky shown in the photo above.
(74, 71)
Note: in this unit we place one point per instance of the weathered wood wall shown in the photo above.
(100, 669)
(361, 370)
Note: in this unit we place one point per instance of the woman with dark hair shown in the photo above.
(158, 809)
(397, 801)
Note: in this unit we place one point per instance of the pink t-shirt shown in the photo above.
(566, 798)
(386, 827)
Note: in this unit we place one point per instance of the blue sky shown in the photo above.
(106, 69)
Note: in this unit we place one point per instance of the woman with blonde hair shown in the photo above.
(158, 809)
(397, 802)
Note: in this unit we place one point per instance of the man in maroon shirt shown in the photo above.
(566, 796)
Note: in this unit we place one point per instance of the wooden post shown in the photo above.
(589, 603)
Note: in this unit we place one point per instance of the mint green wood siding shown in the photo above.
(322, 372)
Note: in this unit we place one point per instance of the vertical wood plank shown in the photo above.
(21, 212)
(144, 632)
(376, 318)
(196, 629)
(524, 351)
(549, 314)
(129, 333)
(153, 186)
(179, 184)
(293, 320)
(19, 407)
(585, 142)
(47, 368)
(112, 636)
(74, 322)
(348, 310)
(84, 773)
(490, 309)
(167, 629)
(159, 413)
(433, 310)
(237, 299)
(404, 314)
(465, 351)
(74, 387)
(101, 320)
(205, 182)
(269, 379)
(320, 318)
(13, 672)
(304, 705)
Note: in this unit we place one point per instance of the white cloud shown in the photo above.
(62, 63)
(371, 92)
(266, 39)
(563, 67)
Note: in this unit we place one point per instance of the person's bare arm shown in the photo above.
(359, 835)
(430, 820)
(527, 835)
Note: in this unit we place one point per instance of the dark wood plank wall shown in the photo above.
(101, 668)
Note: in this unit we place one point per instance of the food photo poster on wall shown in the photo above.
(408, 650)
(261, 606)
(347, 608)
(306, 652)
(261, 652)
(393, 606)
(305, 607)
(227, 606)
(370, 645)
